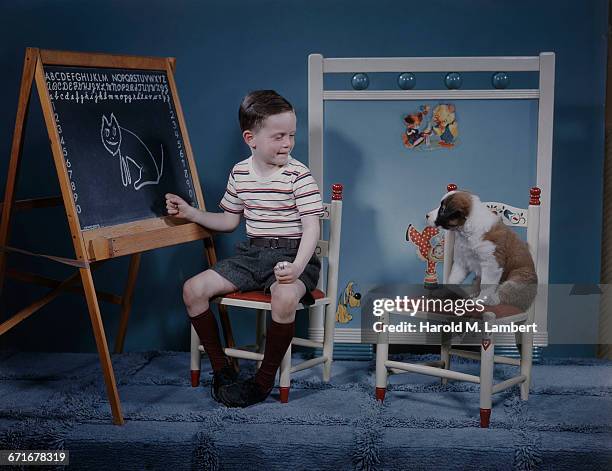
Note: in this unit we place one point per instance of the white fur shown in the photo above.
(473, 254)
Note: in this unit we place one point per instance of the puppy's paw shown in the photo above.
(490, 298)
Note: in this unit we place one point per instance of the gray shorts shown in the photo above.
(252, 268)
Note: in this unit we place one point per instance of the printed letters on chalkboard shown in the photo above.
(121, 142)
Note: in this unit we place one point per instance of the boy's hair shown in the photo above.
(259, 105)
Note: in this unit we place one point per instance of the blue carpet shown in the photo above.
(58, 401)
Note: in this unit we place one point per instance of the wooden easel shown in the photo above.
(93, 247)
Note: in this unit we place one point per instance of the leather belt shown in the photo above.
(279, 243)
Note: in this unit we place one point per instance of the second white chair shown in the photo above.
(501, 314)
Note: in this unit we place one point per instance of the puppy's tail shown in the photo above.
(519, 291)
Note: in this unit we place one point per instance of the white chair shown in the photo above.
(501, 314)
(324, 296)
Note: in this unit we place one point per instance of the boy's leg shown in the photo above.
(197, 292)
(285, 298)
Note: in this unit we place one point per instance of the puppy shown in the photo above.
(504, 269)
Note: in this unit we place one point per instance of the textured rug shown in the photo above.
(58, 401)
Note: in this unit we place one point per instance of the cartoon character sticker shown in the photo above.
(430, 248)
(349, 299)
(427, 130)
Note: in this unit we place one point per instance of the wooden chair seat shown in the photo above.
(261, 297)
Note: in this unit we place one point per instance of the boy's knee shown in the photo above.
(187, 291)
(192, 293)
(284, 298)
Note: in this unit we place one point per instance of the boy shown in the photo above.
(281, 203)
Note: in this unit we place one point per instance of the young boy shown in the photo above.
(281, 204)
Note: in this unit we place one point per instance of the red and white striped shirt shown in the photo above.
(274, 205)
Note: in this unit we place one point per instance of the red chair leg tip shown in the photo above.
(195, 378)
(284, 394)
(485, 418)
(380, 394)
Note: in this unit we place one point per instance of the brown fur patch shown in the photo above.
(512, 254)
(461, 202)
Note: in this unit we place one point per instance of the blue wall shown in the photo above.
(226, 48)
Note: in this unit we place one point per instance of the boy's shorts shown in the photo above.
(252, 268)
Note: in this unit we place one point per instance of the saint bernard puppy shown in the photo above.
(484, 245)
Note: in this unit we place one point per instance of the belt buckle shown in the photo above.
(274, 243)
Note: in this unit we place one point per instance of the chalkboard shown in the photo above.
(121, 142)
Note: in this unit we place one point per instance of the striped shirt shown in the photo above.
(274, 205)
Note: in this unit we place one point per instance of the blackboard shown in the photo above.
(121, 142)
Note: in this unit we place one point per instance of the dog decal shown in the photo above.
(348, 300)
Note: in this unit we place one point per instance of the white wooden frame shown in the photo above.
(329, 249)
(531, 220)
(318, 66)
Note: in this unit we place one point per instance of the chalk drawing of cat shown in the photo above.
(129, 147)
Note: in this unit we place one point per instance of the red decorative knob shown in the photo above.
(534, 194)
(451, 187)
(337, 191)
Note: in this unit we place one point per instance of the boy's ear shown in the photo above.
(248, 138)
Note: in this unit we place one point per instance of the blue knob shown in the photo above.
(406, 81)
(360, 81)
(500, 80)
(453, 80)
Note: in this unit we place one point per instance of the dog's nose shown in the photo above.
(427, 216)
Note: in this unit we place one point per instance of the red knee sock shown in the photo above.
(278, 339)
(205, 325)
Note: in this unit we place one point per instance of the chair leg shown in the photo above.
(260, 333)
(328, 340)
(526, 362)
(486, 378)
(445, 353)
(285, 376)
(382, 354)
(485, 417)
(196, 358)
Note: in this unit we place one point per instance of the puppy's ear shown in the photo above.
(455, 217)
(450, 212)
(450, 215)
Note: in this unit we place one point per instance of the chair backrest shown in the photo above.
(330, 248)
(510, 216)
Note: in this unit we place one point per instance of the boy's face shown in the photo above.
(273, 142)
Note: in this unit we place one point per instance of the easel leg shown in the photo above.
(126, 304)
(102, 346)
(27, 78)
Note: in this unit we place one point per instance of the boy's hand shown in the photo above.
(178, 207)
(287, 272)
